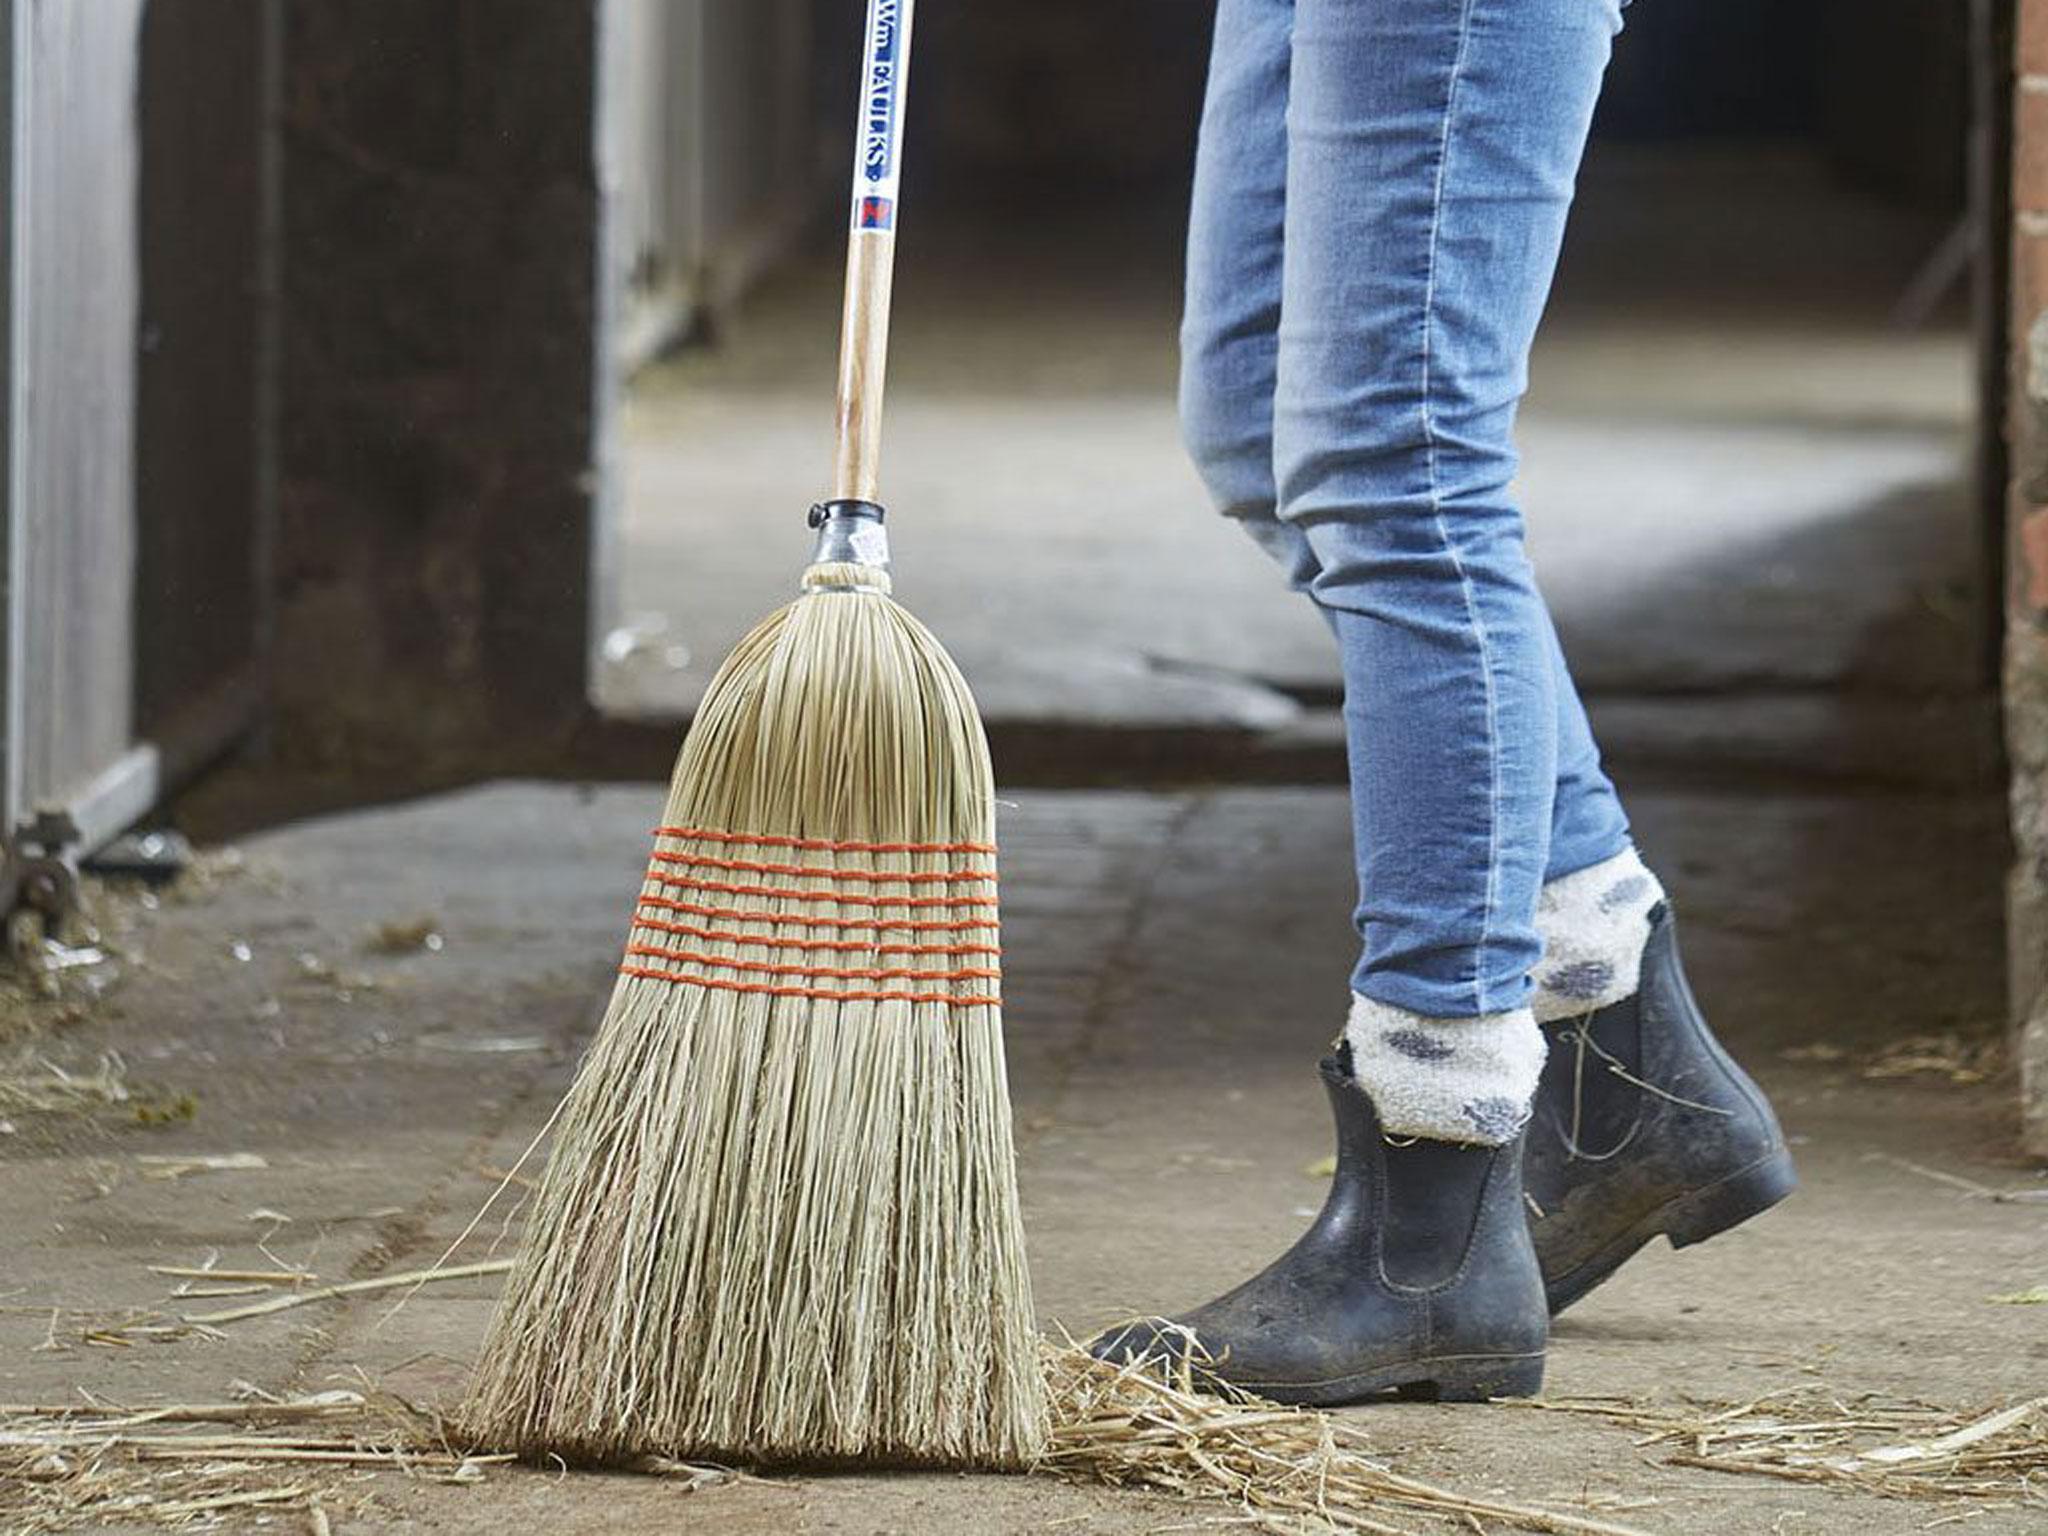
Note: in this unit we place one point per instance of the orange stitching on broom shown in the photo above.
(860, 946)
(833, 973)
(699, 834)
(805, 920)
(824, 993)
(690, 882)
(815, 872)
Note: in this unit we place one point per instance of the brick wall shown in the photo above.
(2026, 647)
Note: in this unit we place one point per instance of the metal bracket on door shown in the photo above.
(42, 867)
(39, 860)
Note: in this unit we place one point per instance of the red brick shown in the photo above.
(2029, 302)
(2033, 43)
(2030, 150)
(2033, 551)
(2029, 283)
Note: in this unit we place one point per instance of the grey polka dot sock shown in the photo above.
(1594, 925)
(1469, 1080)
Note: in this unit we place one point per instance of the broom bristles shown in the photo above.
(779, 1221)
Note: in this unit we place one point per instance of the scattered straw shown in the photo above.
(117, 1328)
(1883, 1446)
(1962, 1059)
(170, 1169)
(1971, 1187)
(36, 1084)
(351, 1288)
(2034, 1296)
(1285, 1469)
(235, 1276)
(67, 1467)
(74, 1467)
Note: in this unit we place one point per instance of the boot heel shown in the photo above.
(1733, 1201)
(1478, 1378)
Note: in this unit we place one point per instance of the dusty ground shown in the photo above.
(1176, 963)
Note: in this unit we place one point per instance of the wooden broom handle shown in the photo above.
(871, 252)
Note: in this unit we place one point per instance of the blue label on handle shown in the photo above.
(883, 100)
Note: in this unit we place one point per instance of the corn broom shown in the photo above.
(779, 1219)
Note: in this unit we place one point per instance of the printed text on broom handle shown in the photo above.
(871, 252)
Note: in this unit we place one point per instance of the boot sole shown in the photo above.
(1443, 1379)
(1692, 1218)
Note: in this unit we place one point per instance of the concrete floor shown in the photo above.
(1746, 512)
(1176, 961)
(1745, 487)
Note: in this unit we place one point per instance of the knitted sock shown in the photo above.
(1472, 1080)
(1594, 925)
(1469, 1080)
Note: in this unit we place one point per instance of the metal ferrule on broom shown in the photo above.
(849, 533)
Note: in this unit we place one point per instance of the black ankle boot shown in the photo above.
(1644, 1125)
(1418, 1274)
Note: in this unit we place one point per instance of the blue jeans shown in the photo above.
(1380, 196)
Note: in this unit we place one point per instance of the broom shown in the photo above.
(779, 1220)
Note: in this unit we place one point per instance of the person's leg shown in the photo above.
(1230, 341)
(1420, 1271)
(1317, 1325)
(1588, 825)
(1432, 149)
(1594, 910)
(1229, 372)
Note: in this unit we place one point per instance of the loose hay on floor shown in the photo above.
(1885, 1446)
(68, 1468)
(31, 1083)
(1279, 1469)
(1285, 1469)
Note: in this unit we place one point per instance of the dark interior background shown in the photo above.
(1100, 97)
(365, 346)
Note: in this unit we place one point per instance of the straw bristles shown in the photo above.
(779, 1221)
